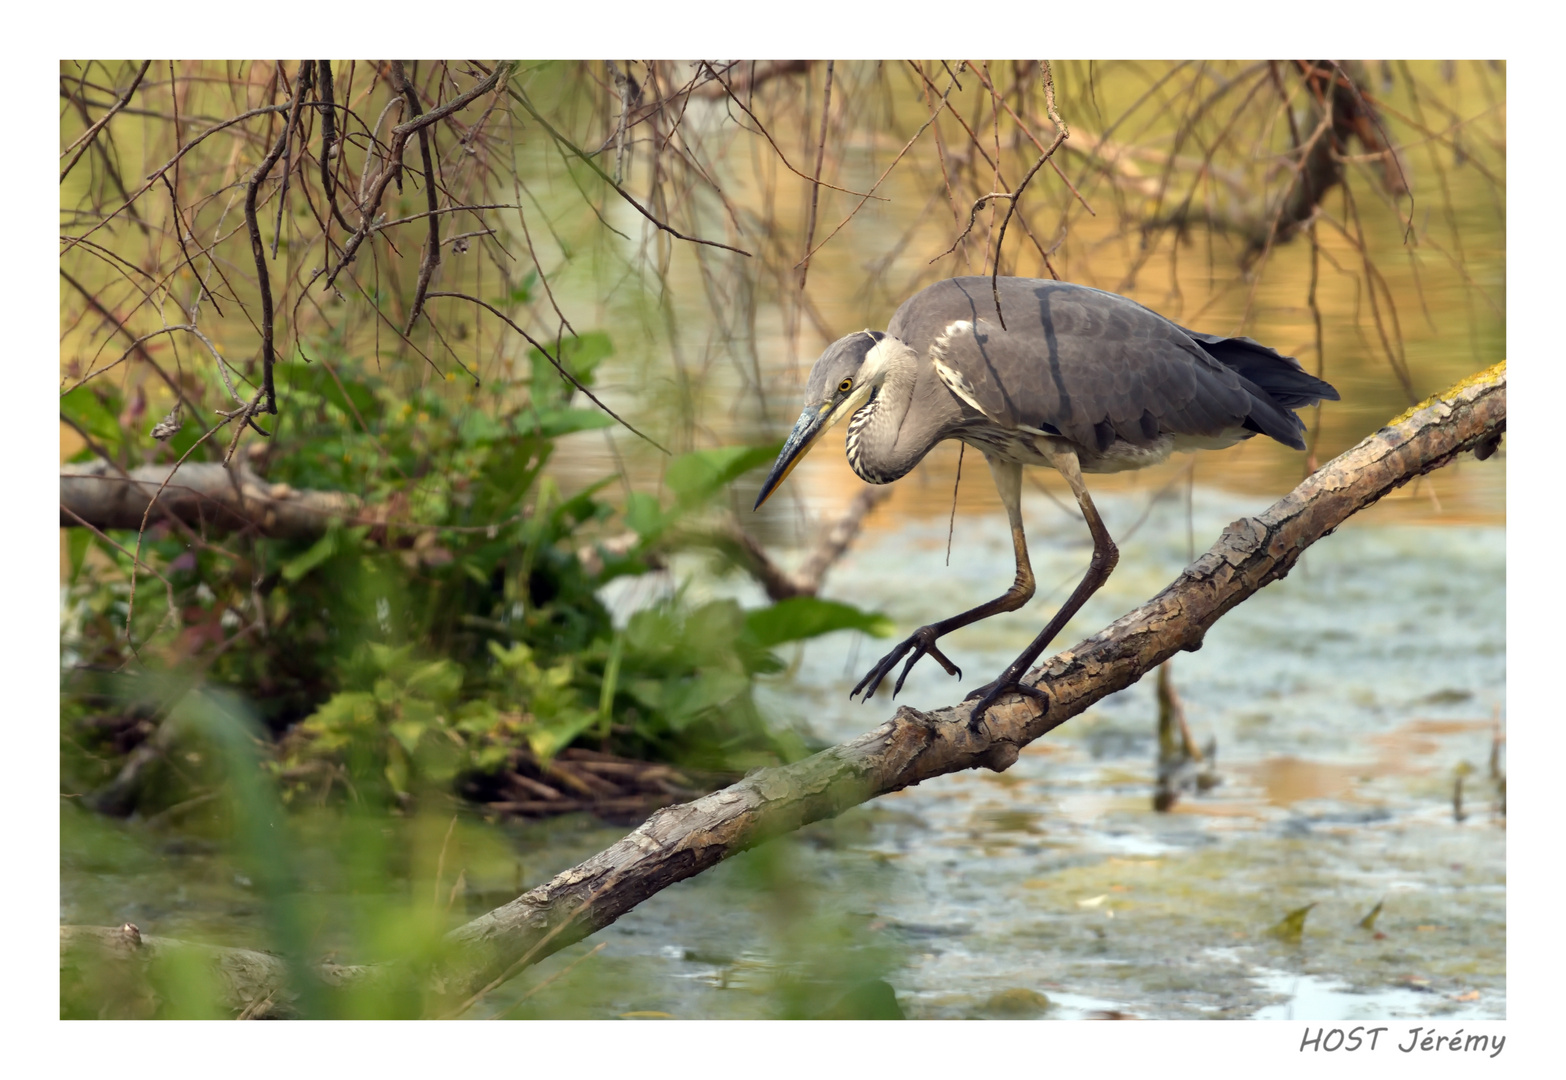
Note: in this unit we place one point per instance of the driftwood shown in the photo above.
(681, 841)
(202, 495)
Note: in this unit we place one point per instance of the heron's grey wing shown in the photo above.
(1086, 364)
(1280, 376)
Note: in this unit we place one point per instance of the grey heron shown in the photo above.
(1079, 379)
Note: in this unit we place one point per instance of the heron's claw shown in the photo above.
(992, 692)
(921, 643)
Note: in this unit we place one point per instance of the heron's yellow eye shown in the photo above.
(845, 386)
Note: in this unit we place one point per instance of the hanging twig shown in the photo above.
(84, 140)
(431, 258)
(1062, 133)
(257, 249)
(567, 144)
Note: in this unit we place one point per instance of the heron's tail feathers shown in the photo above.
(1281, 377)
(1277, 384)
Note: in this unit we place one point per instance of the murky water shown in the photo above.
(1343, 700)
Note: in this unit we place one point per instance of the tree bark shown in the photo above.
(202, 495)
(681, 841)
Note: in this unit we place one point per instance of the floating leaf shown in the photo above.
(1369, 921)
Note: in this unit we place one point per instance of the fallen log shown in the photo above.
(202, 495)
(681, 841)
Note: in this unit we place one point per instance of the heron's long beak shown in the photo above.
(812, 422)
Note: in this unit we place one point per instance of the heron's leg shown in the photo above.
(1008, 480)
(1105, 556)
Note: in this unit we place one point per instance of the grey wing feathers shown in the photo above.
(1280, 376)
(1093, 366)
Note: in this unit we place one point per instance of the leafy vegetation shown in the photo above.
(455, 619)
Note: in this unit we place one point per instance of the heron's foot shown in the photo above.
(921, 643)
(1009, 683)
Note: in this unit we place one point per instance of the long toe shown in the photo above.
(989, 695)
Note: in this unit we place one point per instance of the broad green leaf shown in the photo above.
(100, 421)
(408, 733)
(294, 377)
(439, 680)
(477, 718)
(700, 474)
(547, 740)
(77, 542)
(708, 690)
(479, 427)
(643, 514)
(553, 423)
(802, 617)
(389, 657)
(317, 554)
(578, 355)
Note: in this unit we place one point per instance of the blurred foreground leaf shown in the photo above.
(1292, 925)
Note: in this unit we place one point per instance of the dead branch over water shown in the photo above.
(681, 841)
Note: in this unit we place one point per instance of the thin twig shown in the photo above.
(885, 172)
(815, 181)
(84, 140)
(431, 258)
(257, 248)
(773, 143)
(422, 120)
(564, 372)
(306, 77)
(135, 562)
(1062, 133)
(567, 144)
(187, 148)
(562, 973)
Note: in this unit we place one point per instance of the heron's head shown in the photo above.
(841, 381)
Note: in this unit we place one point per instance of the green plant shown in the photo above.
(454, 618)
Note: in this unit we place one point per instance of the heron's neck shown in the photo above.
(873, 449)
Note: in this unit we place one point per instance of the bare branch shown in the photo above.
(84, 140)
